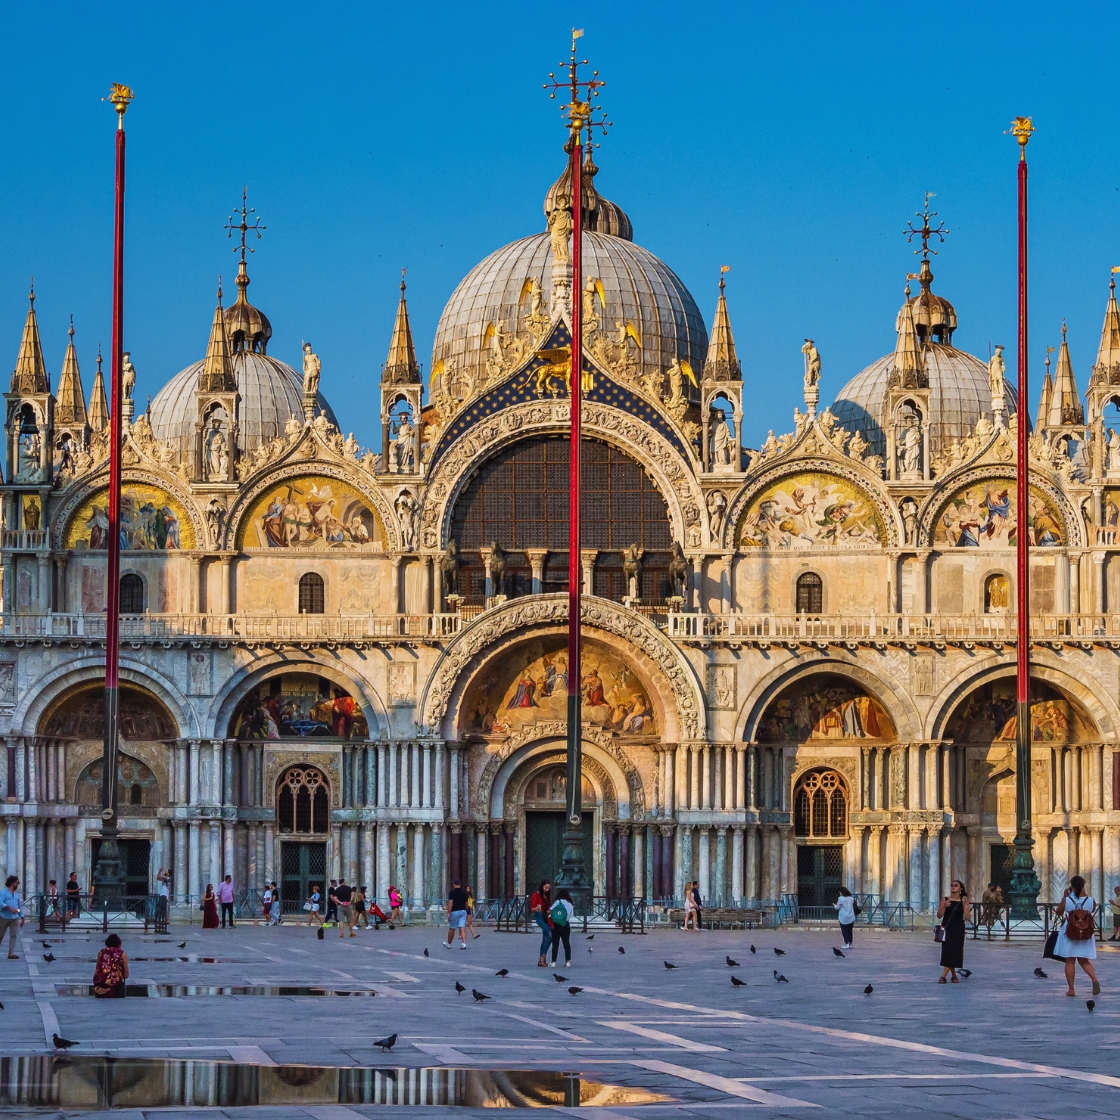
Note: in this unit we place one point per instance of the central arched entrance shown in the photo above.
(303, 808)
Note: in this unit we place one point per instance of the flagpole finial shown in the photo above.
(120, 96)
(1021, 128)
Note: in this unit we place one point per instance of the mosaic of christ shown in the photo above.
(530, 686)
(832, 709)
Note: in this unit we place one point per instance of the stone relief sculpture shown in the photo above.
(408, 509)
(910, 520)
(717, 510)
(216, 462)
(721, 443)
(404, 446)
(996, 371)
(215, 519)
(910, 450)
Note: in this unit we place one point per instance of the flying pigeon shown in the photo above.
(737, 983)
(622, 950)
(480, 996)
(836, 952)
(779, 977)
(61, 1043)
(182, 944)
(965, 972)
(459, 988)
(1090, 1004)
(558, 978)
(574, 991)
(1040, 974)
(48, 957)
(668, 965)
(731, 963)
(753, 950)
(426, 953)
(779, 952)
(502, 972)
(868, 990)
(387, 1043)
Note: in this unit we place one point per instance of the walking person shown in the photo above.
(846, 915)
(266, 904)
(689, 906)
(111, 970)
(395, 901)
(11, 914)
(73, 897)
(470, 914)
(225, 898)
(332, 904)
(1077, 939)
(54, 908)
(312, 906)
(1114, 906)
(539, 906)
(991, 903)
(952, 912)
(561, 915)
(343, 894)
(456, 914)
(277, 905)
(360, 914)
(209, 908)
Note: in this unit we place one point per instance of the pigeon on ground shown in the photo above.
(1040, 974)
(459, 988)
(668, 965)
(591, 937)
(737, 983)
(590, 950)
(48, 957)
(836, 952)
(1090, 1004)
(779, 952)
(868, 990)
(574, 991)
(480, 996)
(965, 972)
(46, 944)
(502, 972)
(753, 950)
(779, 977)
(426, 953)
(61, 1043)
(558, 978)
(387, 1043)
(622, 950)
(731, 963)
(1, 1007)
(319, 933)
(182, 944)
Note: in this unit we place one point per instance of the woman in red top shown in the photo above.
(111, 971)
(539, 906)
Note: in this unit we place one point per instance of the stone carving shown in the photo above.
(632, 569)
(717, 508)
(721, 442)
(1113, 451)
(910, 450)
(996, 371)
(311, 368)
(560, 228)
(678, 569)
(497, 566)
(537, 318)
(215, 519)
(216, 462)
(403, 449)
(910, 520)
(618, 357)
(128, 375)
(408, 509)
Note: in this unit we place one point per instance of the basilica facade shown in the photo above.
(798, 665)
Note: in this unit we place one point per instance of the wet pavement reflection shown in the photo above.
(180, 991)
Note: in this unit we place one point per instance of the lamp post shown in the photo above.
(1025, 884)
(108, 874)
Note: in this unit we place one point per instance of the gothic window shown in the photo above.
(132, 594)
(809, 593)
(820, 806)
(312, 594)
(302, 801)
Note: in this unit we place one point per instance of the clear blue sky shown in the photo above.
(792, 142)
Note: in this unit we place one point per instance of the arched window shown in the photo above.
(997, 594)
(132, 594)
(302, 801)
(820, 806)
(810, 593)
(312, 594)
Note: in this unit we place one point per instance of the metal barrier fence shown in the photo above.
(123, 910)
(512, 915)
(989, 918)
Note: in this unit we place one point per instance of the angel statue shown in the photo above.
(591, 289)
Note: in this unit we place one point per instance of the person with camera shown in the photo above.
(1077, 939)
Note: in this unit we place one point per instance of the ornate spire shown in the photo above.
(217, 374)
(1107, 369)
(98, 405)
(722, 364)
(246, 327)
(30, 374)
(909, 370)
(71, 406)
(1045, 395)
(401, 367)
(1065, 403)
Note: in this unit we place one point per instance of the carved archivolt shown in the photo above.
(598, 613)
(514, 796)
(848, 767)
(670, 472)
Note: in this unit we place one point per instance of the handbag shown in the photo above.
(857, 909)
(1048, 948)
(308, 906)
(939, 933)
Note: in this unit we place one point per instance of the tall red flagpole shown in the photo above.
(1025, 884)
(108, 874)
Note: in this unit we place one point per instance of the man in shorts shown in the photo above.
(456, 915)
(342, 895)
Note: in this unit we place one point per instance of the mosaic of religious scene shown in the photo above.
(136, 784)
(832, 709)
(989, 714)
(531, 686)
(299, 706)
(811, 511)
(310, 513)
(81, 715)
(150, 520)
(983, 516)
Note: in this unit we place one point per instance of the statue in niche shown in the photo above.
(910, 520)
(1113, 451)
(217, 452)
(311, 368)
(996, 369)
(408, 509)
(910, 451)
(215, 518)
(31, 514)
(717, 508)
(560, 228)
(404, 450)
(721, 441)
(678, 569)
(632, 569)
(128, 375)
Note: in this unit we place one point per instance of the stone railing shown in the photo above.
(23, 540)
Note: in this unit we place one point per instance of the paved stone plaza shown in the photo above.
(1002, 1044)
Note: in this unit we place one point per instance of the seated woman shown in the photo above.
(111, 971)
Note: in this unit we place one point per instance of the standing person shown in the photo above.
(395, 901)
(11, 914)
(952, 912)
(111, 970)
(456, 914)
(360, 914)
(266, 904)
(225, 897)
(846, 914)
(539, 906)
(332, 904)
(470, 914)
(689, 906)
(209, 908)
(561, 915)
(277, 904)
(312, 905)
(1077, 939)
(698, 917)
(73, 896)
(343, 894)
(1114, 906)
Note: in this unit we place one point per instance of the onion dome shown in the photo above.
(959, 392)
(600, 215)
(71, 402)
(30, 374)
(247, 328)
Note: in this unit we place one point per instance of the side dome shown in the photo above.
(637, 287)
(271, 393)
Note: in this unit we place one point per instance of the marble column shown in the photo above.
(753, 868)
(368, 880)
(394, 800)
(437, 777)
(194, 870)
(788, 873)
(453, 784)
(706, 778)
(721, 866)
(933, 887)
(426, 779)
(638, 884)
(737, 863)
(740, 778)
(481, 885)
(227, 851)
(418, 885)
(402, 860)
(436, 888)
(625, 885)
(704, 870)
(668, 807)
(383, 862)
(179, 882)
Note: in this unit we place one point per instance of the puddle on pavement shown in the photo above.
(179, 991)
(189, 959)
(81, 1083)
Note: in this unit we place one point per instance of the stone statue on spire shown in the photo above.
(812, 376)
(311, 368)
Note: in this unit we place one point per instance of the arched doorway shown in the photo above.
(303, 804)
(544, 794)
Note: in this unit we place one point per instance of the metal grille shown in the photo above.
(809, 593)
(820, 805)
(312, 594)
(132, 594)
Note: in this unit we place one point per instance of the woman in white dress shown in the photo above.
(1076, 950)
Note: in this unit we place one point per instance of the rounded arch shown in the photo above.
(672, 474)
(137, 784)
(251, 676)
(513, 789)
(666, 669)
(898, 705)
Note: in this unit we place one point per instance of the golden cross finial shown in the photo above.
(120, 96)
(579, 113)
(244, 225)
(925, 231)
(1021, 128)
